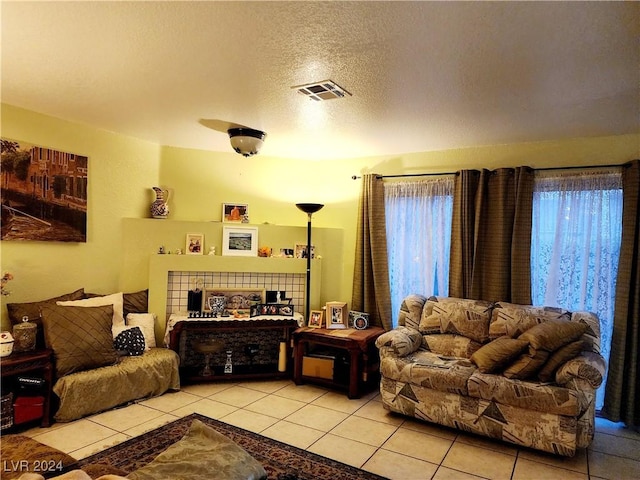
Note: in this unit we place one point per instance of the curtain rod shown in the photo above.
(575, 167)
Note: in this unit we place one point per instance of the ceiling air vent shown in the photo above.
(325, 90)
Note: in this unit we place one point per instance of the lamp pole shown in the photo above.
(309, 209)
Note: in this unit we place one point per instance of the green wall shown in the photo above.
(122, 170)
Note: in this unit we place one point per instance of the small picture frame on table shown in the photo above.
(337, 315)
(194, 244)
(235, 212)
(358, 320)
(301, 251)
(316, 319)
(264, 309)
(240, 241)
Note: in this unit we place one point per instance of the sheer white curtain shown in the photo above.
(575, 244)
(418, 221)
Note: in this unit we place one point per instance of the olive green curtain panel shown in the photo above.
(491, 235)
(622, 393)
(371, 292)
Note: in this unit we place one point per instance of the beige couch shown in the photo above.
(526, 375)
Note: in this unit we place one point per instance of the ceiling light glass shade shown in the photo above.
(246, 141)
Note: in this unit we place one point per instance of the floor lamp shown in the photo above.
(309, 209)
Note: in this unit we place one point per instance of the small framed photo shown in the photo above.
(301, 251)
(316, 319)
(337, 315)
(267, 309)
(236, 299)
(358, 320)
(235, 212)
(194, 244)
(240, 241)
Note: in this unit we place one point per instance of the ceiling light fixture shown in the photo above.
(324, 90)
(246, 141)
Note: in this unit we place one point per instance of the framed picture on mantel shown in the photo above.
(240, 241)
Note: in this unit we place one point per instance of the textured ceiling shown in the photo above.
(423, 75)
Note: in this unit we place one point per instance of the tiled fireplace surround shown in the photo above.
(180, 282)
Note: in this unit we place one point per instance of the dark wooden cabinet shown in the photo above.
(37, 363)
(257, 348)
(344, 358)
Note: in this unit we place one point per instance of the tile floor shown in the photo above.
(358, 432)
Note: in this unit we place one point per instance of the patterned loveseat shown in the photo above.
(522, 374)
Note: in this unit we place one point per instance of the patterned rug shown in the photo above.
(281, 461)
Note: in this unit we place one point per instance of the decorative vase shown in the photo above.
(160, 206)
(6, 344)
(24, 335)
(217, 304)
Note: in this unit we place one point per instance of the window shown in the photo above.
(418, 221)
(575, 245)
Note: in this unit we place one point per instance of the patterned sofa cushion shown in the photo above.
(592, 334)
(429, 370)
(411, 311)
(513, 320)
(458, 316)
(527, 395)
(450, 345)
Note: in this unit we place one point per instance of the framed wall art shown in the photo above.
(235, 212)
(240, 241)
(44, 193)
(337, 315)
(194, 244)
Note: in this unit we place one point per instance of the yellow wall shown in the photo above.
(122, 170)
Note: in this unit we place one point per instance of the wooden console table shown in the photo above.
(357, 345)
(37, 362)
(255, 346)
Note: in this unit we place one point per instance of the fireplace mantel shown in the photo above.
(161, 265)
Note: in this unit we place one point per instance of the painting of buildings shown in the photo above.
(43, 194)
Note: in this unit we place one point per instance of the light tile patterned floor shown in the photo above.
(357, 432)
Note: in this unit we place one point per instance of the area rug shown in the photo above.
(281, 461)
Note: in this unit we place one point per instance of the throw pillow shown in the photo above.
(200, 453)
(146, 322)
(32, 310)
(114, 299)
(136, 302)
(527, 365)
(129, 341)
(559, 357)
(80, 337)
(553, 334)
(498, 353)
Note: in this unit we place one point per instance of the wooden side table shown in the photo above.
(37, 361)
(359, 345)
